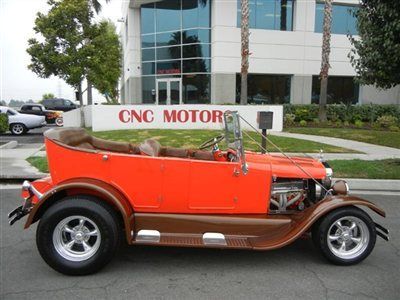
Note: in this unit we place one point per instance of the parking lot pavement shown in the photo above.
(34, 136)
(294, 272)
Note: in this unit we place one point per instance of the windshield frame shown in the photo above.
(234, 137)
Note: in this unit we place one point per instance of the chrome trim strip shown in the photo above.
(148, 236)
(214, 238)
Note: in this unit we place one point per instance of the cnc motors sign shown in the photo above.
(107, 117)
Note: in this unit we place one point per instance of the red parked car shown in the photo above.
(100, 192)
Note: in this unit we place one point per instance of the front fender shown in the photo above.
(302, 222)
(83, 186)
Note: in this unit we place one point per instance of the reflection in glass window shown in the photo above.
(148, 54)
(196, 36)
(168, 53)
(196, 88)
(196, 50)
(168, 39)
(341, 89)
(149, 89)
(344, 20)
(148, 68)
(169, 67)
(196, 65)
(168, 15)
(195, 13)
(147, 21)
(266, 89)
(269, 14)
(148, 40)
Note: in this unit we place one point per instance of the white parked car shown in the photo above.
(21, 123)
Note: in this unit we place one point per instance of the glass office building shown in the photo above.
(176, 51)
(189, 52)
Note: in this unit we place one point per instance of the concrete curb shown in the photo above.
(9, 145)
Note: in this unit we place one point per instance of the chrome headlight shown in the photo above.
(340, 187)
(329, 172)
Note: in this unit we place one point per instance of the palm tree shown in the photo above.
(244, 31)
(96, 5)
(326, 50)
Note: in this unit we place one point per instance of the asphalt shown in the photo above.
(294, 272)
(34, 136)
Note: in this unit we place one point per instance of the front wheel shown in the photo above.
(78, 235)
(345, 236)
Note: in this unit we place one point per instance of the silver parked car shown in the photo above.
(21, 123)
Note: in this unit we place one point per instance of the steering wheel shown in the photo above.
(211, 142)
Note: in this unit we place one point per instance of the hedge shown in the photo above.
(3, 123)
(344, 113)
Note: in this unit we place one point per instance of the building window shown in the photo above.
(265, 88)
(340, 90)
(344, 20)
(175, 39)
(269, 14)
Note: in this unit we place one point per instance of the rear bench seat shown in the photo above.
(79, 138)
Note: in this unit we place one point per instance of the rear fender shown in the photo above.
(93, 187)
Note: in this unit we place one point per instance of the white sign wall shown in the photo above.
(114, 117)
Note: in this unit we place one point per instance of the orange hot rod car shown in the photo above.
(100, 192)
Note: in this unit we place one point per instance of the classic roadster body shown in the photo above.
(100, 192)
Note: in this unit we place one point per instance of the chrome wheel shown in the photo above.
(76, 238)
(348, 237)
(17, 129)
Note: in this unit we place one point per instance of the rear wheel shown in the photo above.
(345, 236)
(18, 129)
(78, 235)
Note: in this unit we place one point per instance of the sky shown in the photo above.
(16, 22)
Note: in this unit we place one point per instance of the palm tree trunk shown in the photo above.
(244, 29)
(326, 50)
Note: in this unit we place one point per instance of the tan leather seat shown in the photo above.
(150, 147)
(174, 152)
(79, 138)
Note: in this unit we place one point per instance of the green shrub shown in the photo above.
(367, 113)
(303, 123)
(387, 121)
(338, 124)
(358, 123)
(394, 128)
(3, 123)
(289, 120)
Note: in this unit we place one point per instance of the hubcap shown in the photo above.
(348, 237)
(76, 238)
(18, 129)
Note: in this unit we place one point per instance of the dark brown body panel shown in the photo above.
(259, 232)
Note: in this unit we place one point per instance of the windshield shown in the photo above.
(11, 112)
(233, 136)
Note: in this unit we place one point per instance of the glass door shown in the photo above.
(169, 91)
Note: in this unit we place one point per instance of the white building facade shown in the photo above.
(188, 52)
